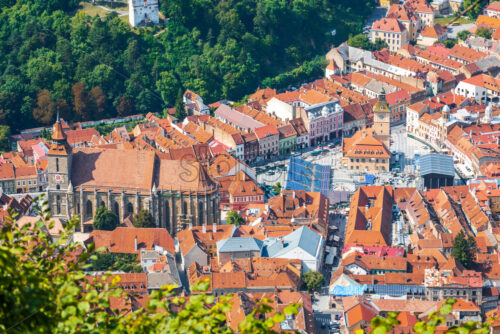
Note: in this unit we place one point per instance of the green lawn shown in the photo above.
(92, 10)
(445, 20)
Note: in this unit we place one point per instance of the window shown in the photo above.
(58, 204)
(88, 208)
(57, 164)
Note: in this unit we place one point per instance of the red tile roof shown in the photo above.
(122, 239)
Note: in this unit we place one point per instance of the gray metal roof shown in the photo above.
(436, 164)
(239, 245)
(303, 238)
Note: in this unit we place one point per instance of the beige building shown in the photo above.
(391, 31)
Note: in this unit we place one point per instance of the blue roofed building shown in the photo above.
(302, 244)
(305, 175)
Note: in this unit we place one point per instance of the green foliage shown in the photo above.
(43, 289)
(428, 326)
(313, 280)
(115, 262)
(464, 250)
(180, 108)
(277, 187)
(105, 219)
(143, 219)
(361, 41)
(308, 71)
(4, 138)
(233, 217)
(219, 49)
(483, 32)
(463, 35)
(449, 43)
(474, 13)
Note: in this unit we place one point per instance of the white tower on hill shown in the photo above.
(143, 12)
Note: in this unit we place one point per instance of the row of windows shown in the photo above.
(248, 198)
(376, 168)
(364, 160)
(24, 182)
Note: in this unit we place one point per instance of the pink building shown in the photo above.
(326, 121)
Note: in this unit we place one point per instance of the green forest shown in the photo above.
(56, 59)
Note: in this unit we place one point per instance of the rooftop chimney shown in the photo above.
(214, 227)
(204, 228)
(135, 243)
(190, 226)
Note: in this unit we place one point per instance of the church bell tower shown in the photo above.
(59, 159)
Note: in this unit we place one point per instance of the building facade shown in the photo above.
(177, 193)
(143, 12)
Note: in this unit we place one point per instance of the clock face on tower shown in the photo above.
(59, 178)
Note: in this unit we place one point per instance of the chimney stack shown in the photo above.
(214, 227)
(204, 228)
(135, 243)
(190, 226)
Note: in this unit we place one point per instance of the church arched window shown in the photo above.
(89, 212)
(130, 209)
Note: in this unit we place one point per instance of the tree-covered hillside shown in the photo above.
(52, 59)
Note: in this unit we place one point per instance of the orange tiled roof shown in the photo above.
(492, 22)
(122, 239)
(388, 24)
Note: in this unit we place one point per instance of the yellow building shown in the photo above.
(391, 31)
(387, 3)
(382, 120)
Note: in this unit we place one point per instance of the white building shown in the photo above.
(142, 12)
(473, 87)
(302, 244)
(280, 109)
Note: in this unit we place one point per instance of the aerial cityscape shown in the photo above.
(245, 166)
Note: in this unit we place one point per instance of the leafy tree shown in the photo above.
(463, 35)
(105, 219)
(483, 32)
(313, 280)
(168, 87)
(464, 249)
(449, 43)
(64, 109)
(180, 108)
(98, 102)
(277, 187)
(48, 292)
(478, 9)
(44, 112)
(143, 219)
(125, 106)
(233, 217)
(115, 262)
(81, 101)
(379, 44)
(360, 41)
(4, 138)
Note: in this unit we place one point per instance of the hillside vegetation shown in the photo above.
(52, 59)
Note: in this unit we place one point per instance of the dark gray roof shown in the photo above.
(436, 164)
